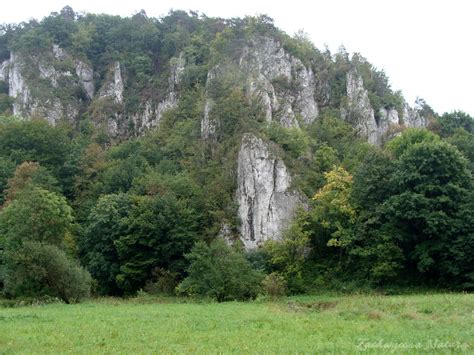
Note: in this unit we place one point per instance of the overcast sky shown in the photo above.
(425, 47)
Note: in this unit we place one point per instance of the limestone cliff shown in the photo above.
(152, 112)
(281, 83)
(358, 110)
(56, 86)
(266, 201)
(42, 86)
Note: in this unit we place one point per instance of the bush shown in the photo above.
(164, 282)
(274, 285)
(38, 270)
(219, 272)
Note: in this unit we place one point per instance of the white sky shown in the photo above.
(425, 47)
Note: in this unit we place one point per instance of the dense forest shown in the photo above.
(97, 201)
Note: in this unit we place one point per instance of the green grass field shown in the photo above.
(438, 323)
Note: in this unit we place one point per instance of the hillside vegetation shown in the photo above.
(96, 200)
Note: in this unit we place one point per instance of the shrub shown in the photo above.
(274, 285)
(164, 282)
(38, 270)
(219, 272)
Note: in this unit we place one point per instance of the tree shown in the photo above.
(289, 255)
(104, 226)
(40, 269)
(411, 136)
(161, 229)
(431, 184)
(464, 141)
(374, 251)
(37, 141)
(27, 174)
(35, 230)
(219, 272)
(450, 122)
(333, 215)
(36, 214)
(7, 168)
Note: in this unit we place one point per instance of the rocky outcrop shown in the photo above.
(359, 112)
(266, 202)
(44, 100)
(411, 118)
(113, 87)
(151, 114)
(281, 83)
(4, 70)
(86, 77)
(208, 125)
(17, 88)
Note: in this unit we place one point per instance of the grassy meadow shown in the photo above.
(431, 323)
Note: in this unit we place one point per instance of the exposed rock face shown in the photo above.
(44, 102)
(266, 63)
(358, 110)
(113, 88)
(208, 125)
(411, 118)
(4, 70)
(266, 202)
(17, 88)
(152, 114)
(280, 82)
(86, 78)
(360, 113)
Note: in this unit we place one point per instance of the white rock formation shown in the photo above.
(358, 110)
(86, 77)
(4, 70)
(264, 60)
(411, 118)
(18, 89)
(266, 202)
(46, 106)
(265, 67)
(360, 113)
(208, 125)
(114, 87)
(151, 114)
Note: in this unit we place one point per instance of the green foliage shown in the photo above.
(161, 229)
(450, 122)
(7, 168)
(35, 230)
(105, 225)
(36, 215)
(431, 183)
(141, 204)
(464, 142)
(410, 137)
(27, 174)
(294, 141)
(37, 141)
(274, 285)
(218, 272)
(39, 269)
(372, 180)
(289, 255)
(333, 215)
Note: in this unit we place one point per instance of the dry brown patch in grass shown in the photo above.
(311, 306)
(411, 315)
(375, 315)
